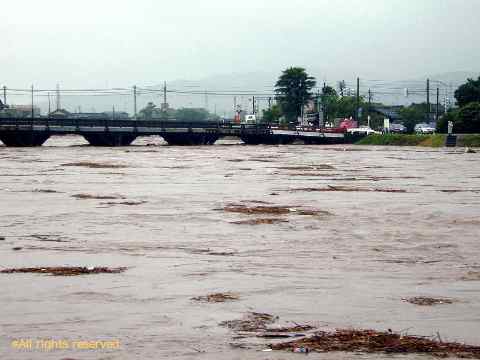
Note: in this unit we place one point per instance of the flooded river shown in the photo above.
(365, 228)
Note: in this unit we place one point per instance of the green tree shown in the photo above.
(376, 120)
(468, 92)
(413, 115)
(329, 100)
(293, 90)
(341, 87)
(148, 111)
(272, 115)
(347, 106)
(468, 119)
(442, 123)
(465, 120)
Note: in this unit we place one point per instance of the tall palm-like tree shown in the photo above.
(293, 90)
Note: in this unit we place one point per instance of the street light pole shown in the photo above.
(357, 112)
(32, 104)
(135, 102)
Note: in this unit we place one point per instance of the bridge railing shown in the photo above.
(162, 124)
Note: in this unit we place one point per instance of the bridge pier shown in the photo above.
(267, 139)
(23, 138)
(190, 138)
(109, 139)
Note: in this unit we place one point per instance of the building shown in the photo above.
(22, 111)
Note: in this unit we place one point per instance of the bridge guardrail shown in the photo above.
(163, 124)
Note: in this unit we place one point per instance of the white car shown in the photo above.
(424, 129)
(363, 130)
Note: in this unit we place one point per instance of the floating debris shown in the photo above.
(97, 197)
(17, 248)
(290, 329)
(212, 252)
(95, 165)
(272, 210)
(261, 325)
(252, 322)
(2, 238)
(52, 238)
(46, 191)
(348, 189)
(471, 276)
(279, 332)
(314, 174)
(65, 270)
(453, 191)
(307, 167)
(427, 301)
(217, 297)
(371, 341)
(466, 221)
(128, 203)
(262, 160)
(259, 221)
(243, 209)
(255, 202)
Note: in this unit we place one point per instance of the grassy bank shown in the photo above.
(469, 140)
(434, 140)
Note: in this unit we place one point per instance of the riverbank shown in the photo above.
(430, 140)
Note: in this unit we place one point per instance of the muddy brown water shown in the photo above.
(162, 220)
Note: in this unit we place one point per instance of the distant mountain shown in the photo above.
(221, 88)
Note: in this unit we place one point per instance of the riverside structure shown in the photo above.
(24, 132)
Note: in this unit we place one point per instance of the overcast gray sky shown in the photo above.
(84, 43)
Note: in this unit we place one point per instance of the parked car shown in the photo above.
(363, 130)
(398, 128)
(424, 128)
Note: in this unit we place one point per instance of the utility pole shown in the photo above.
(135, 102)
(165, 95)
(4, 95)
(234, 104)
(269, 103)
(253, 105)
(369, 100)
(58, 97)
(357, 114)
(206, 100)
(438, 104)
(49, 105)
(324, 104)
(428, 100)
(445, 103)
(32, 104)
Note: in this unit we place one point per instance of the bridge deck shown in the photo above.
(13, 130)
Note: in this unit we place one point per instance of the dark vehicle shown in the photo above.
(398, 128)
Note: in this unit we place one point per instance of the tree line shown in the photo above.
(151, 111)
(294, 91)
(466, 117)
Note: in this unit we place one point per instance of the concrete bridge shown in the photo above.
(107, 132)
